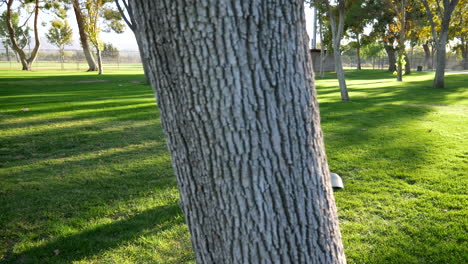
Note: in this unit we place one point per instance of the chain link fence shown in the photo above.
(74, 60)
(130, 60)
(381, 63)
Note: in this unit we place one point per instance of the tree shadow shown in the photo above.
(93, 242)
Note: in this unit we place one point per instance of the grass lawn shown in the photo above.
(85, 176)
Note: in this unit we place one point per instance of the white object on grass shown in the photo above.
(336, 181)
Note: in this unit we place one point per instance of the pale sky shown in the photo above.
(124, 41)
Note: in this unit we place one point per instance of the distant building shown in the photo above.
(328, 63)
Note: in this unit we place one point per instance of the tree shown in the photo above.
(358, 15)
(80, 20)
(22, 32)
(127, 14)
(459, 31)
(60, 34)
(110, 51)
(442, 13)
(235, 90)
(96, 12)
(337, 31)
(25, 60)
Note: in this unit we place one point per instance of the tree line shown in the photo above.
(395, 25)
(92, 17)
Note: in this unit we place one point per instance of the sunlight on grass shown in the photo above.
(86, 170)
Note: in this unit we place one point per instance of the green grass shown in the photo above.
(86, 171)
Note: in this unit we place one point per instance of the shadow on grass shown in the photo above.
(105, 237)
(384, 146)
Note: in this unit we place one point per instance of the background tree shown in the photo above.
(337, 30)
(13, 34)
(442, 13)
(358, 15)
(80, 20)
(458, 31)
(239, 109)
(100, 17)
(109, 51)
(60, 34)
(126, 12)
(22, 33)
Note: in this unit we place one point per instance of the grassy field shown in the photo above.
(85, 176)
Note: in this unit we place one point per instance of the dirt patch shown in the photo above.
(92, 81)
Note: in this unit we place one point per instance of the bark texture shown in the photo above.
(391, 58)
(92, 66)
(235, 89)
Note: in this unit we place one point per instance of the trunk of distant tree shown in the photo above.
(401, 42)
(99, 58)
(358, 52)
(25, 61)
(439, 79)
(83, 37)
(464, 52)
(407, 65)
(128, 17)
(441, 37)
(62, 58)
(7, 51)
(235, 89)
(427, 56)
(322, 48)
(391, 58)
(337, 34)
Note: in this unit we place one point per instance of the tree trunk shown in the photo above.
(62, 59)
(83, 37)
(391, 58)
(439, 80)
(99, 58)
(235, 90)
(407, 65)
(25, 61)
(358, 52)
(337, 34)
(340, 74)
(7, 51)
(400, 66)
(464, 52)
(427, 56)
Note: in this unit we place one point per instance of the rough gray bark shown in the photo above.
(337, 35)
(391, 58)
(25, 61)
(84, 37)
(441, 37)
(238, 105)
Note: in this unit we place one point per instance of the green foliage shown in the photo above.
(60, 33)
(23, 33)
(110, 51)
(86, 170)
(100, 16)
